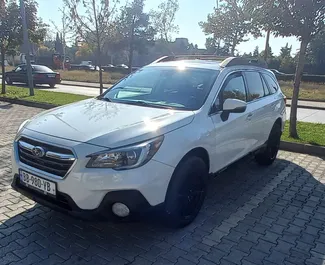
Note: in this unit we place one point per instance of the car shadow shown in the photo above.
(277, 211)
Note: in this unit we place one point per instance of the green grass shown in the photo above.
(310, 91)
(83, 76)
(55, 98)
(309, 133)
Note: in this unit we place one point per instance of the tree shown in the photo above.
(268, 55)
(256, 52)
(231, 23)
(286, 51)
(11, 32)
(261, 18)
(92, 19)
(63, 33)
(316, 53)
(164, 19)
(303, 19)
(135, 28)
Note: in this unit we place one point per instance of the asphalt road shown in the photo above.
(307, 115)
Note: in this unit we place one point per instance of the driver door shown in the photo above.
(233, 137)
(20, 74)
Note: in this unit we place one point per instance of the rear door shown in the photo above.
(260, 102)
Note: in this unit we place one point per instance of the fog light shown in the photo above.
(120, 209)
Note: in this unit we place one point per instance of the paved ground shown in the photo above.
(252, 215)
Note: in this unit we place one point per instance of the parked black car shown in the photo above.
(41, 75)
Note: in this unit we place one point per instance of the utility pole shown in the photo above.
(219, 40)
(27, 48)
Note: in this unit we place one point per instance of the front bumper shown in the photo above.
(92, 190)
(135, 201)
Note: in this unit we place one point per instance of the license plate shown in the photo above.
(42, 185)
(50, 75)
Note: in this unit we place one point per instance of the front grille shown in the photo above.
(55, 160)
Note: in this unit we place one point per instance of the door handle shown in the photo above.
(249, 116)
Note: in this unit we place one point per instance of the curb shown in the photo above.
(28, 103)
(307, 107)
(303, 148)
(310, 100)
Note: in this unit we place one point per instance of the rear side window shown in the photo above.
(42, 68)
(255, 85)
(271, 83)
(266, 90)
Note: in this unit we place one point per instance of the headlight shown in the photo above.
(126, 157)
(22, 126)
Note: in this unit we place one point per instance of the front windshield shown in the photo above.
(169, 87)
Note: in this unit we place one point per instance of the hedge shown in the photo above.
(305, 78)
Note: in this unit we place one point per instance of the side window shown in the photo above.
(18, 69)
(272, 84)
(255, 85)
(234, 87)
(266, 89)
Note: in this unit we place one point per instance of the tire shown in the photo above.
(8, 80)
(267, 156)
(186, 192)
(52, 85)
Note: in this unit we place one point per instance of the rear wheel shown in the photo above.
(8, 80)
(186, 192)
(267, 156)
(52, 85)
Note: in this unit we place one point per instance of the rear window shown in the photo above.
(271, 83)
(42, 68)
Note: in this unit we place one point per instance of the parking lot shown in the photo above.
(252, 215)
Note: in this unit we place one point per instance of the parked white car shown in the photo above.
(151, 140)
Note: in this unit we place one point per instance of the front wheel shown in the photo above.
(8, 80)
(268, 155)
(186, 192)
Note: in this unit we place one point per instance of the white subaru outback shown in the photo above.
(151, 140)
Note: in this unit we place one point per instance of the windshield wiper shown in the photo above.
(104, 99)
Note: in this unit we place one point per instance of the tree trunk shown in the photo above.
(131, 48)
(99, 61)
(294, 102)
(100, 70)
(234, 44)
(3, 89)
(266, 50)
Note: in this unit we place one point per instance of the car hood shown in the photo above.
(108, 124)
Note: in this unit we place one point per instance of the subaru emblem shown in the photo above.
(38, 151)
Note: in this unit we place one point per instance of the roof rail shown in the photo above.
(235, 61)
(190, 57)
(225, 60)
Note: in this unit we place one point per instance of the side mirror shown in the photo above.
(234, 106)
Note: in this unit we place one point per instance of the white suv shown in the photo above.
(151, 140)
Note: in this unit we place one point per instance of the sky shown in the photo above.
(190, 13)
